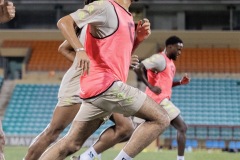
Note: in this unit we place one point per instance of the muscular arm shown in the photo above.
(66, 25)
(66, 50)
(140, 71)
(143, 31)
(176, 83)
(67, 28)
(185, 80)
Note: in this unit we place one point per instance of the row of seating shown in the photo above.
(44, 54)
(209, 60)
(31, 106)
(30, 110)
(209, 144)
(209, 104)
(198, 60)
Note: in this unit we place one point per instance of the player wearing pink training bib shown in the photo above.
(109, 64)
(113, 95)
(160, 80)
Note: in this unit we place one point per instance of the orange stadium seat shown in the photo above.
(44, 56)
(209, 60)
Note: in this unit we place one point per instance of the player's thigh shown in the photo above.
(150, 111)
(121, 121)
(81, 130)
(63, 116)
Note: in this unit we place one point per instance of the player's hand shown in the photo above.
(134, 61)
(83, 61)
(155, 90)
(7, 11)
(143, 30)
(185, 79)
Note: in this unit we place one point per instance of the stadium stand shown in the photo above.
(215, 144)
(44, 54)
(30, 109)
(209, 104)
(209, 60)
(235, 145)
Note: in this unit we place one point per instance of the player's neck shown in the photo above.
(124, 3)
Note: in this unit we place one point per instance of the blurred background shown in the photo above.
(31, 68)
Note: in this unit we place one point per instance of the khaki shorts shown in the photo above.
(69, 90)
(171, 109)
(120, 98)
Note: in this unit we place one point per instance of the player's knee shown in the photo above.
(73, 146)
(163, 121)
(183, 129)
(52, 132)
(125, 132)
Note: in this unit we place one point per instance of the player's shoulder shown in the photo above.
(100, 4)
(158, 56)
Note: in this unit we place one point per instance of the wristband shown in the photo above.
(79, 49)
(180, 82)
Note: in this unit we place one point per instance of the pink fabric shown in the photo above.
(110, 57)
(163, 80)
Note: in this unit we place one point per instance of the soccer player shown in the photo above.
(7, 11)
(105, 64)
(159, 81)
(67, 107)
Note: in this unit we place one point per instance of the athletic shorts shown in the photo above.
(120, 98)
(69, 90)
(170, 108)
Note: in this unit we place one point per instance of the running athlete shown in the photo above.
(159, 81)
(67, 107)
(104, 60)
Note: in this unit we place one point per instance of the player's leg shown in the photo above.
(67, 108)
(120, 132)
(2, 142)
(156, 122)
(86, 122)
(62, 117)
(178, 123)
(181, 128)
(127, 100)
(1, 150)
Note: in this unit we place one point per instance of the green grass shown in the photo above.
(17, 153)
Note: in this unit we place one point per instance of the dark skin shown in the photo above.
(173, 52)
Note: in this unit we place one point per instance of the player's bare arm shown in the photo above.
(143, 31)
(134, 61)
(184, 81)
(140, 69)
(67, 27)
(67, 51)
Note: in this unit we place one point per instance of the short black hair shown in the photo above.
(173, 40)
(86, 2)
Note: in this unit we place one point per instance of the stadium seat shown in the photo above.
(189, 143)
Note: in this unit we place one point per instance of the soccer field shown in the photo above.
(17, 153)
